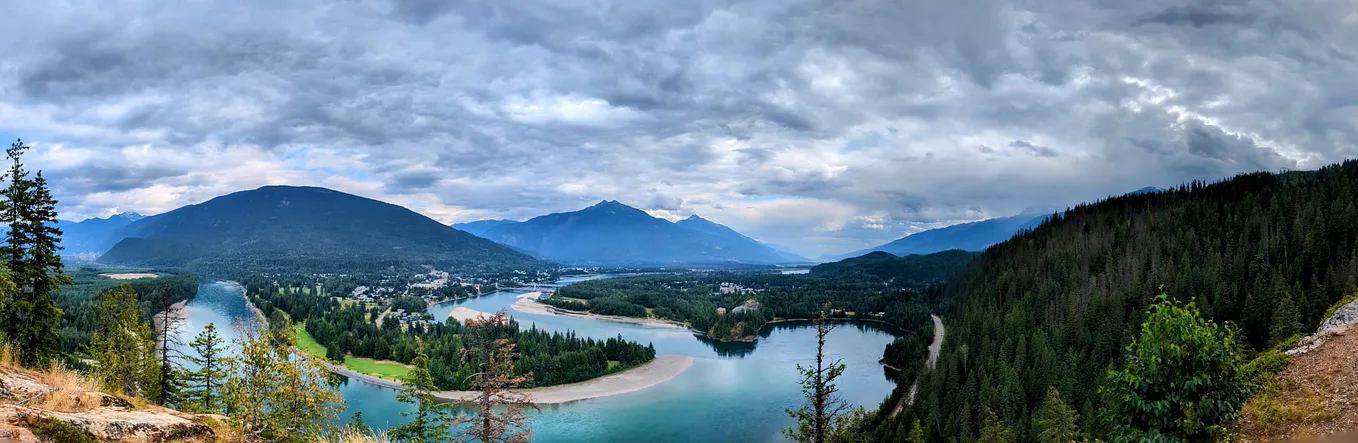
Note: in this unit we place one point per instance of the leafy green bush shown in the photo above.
(1183, 379)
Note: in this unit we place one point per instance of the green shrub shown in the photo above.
(1182, 381)
(51, 429)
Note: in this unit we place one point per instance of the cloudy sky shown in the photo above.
(821, 126)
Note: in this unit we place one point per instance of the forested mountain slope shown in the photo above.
(298, 229)
(909, 271)
(1055, 306)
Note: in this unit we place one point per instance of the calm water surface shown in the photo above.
(733, 392)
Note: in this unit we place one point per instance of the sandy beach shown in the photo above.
(132, 276)
(179, 314)
(529, 306)
(658, 371)
(463, 313)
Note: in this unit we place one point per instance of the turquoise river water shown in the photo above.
(733, 392)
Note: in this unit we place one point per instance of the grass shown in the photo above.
(387, 369)
(1282, 405)
(613, 364)
(306, 342)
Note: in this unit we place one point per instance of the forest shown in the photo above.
(1056, 306)
(80, 301)
(551, 358)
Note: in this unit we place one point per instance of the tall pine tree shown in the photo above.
(30, 318)
(123, 346)
(431, 420)
(204, 382)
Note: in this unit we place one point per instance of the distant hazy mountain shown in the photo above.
(614, 233)
(908, 271)
(479, 228)
(1145, 190)
(975, 236)
(696, 223)
(302, 228)
(95, 235)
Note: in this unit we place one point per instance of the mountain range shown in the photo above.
(93, 236)
(974, 236)
(614, 233)
(301, 227)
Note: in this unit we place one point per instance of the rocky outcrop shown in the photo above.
(27, 400)
(1344, 316)
(1337, 325)
(115, 423)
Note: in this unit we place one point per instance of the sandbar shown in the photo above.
(128, 276)
(661, 369)
(529, 306)
(463, 313)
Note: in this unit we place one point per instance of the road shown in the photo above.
(934, 349)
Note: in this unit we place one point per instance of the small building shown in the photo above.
(721, 311)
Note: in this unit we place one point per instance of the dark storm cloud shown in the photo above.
(855, 120)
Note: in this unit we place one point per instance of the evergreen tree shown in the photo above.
(30, 318)
(1286, 319)
(206, 380)
(1054, 422)
(916, 434)
(431, 421)
(993, 431)
(820, 419)
(123, 346)
(1182, 380)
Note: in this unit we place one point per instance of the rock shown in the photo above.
(1337, 325)
(1344, 316)
(106, 417)
(115, 423)
(16, 434)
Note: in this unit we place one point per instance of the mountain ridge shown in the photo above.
(316, 227)
(610, 232)
(93, 236)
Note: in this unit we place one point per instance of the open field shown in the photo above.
(386, 369)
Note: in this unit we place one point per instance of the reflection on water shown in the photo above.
(728, 349)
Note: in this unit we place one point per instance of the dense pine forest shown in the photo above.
(1056, 306)
(551, 358)
(80, 301)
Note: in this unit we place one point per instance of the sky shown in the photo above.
(814, 125)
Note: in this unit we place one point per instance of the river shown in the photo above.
(733, 391)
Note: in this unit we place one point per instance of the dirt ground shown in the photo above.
(1319, 396)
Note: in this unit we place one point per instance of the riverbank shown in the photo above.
(259, 315)
(179, 313)
(528, 306)
(657, 371)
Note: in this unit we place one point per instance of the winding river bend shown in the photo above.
(733, 391)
